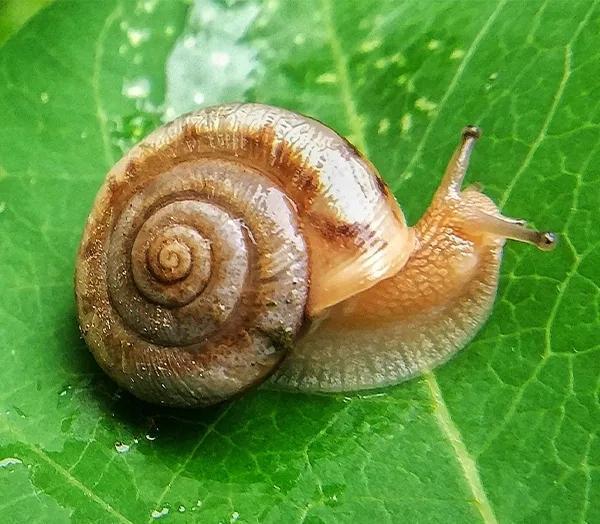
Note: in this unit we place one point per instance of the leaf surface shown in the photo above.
(507, 431)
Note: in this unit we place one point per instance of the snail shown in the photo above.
(244, 242)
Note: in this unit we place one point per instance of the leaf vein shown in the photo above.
(78, 484)
(341, 65)
(466, 461)
(451, 87)
(567, 70)
(87, 445)
(210, 429)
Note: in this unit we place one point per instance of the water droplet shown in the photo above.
(327, 78)
(370, 45)
(156, 514)
(121, 447)
(220, 59)
(44, 97)
(169, 30)
(423, 104)
(136, 88)
(181, 509)
(9, 461)
(432, 45)
(381, 63)
(189, 42)
(398, 59)
(137, 36)
(406, 123)
(149, 5)
(491, 79)
(299, 39)
(125, 131)
(457, 54)
(2, 210)
(198, 98)
(384, 126)
(228, 73)
(65, 391)
(234, 516)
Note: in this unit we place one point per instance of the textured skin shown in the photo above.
(412, 321)
(193, 271)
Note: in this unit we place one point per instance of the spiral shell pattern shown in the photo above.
(194, 268)
(206, 283)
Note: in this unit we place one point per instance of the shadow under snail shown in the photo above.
(243, 241)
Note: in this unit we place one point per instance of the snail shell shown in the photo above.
(214, 241)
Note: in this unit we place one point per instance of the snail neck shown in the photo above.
(453, 259)
(452, 263)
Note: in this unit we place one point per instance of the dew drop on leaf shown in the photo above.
(137, 36)
(121, 447)
(157, 514)
(9, 461)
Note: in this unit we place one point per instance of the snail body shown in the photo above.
(243, 241)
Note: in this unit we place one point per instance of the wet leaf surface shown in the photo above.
(507, 431)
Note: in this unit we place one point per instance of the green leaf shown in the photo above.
(507, 431)
(15, 13)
